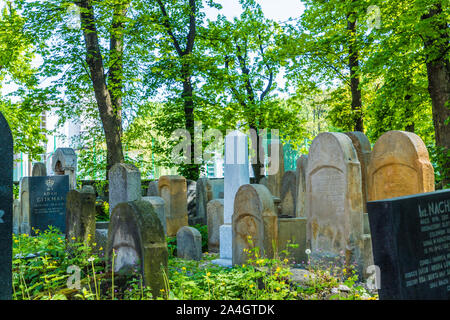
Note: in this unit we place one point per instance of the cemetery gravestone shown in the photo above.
(236, 174)
(334, 199)
(189, 244)
(288, 193)
(153, 189)
(254, 216)
(43, 203)
(137, 237)
(191, 187)
(276, 166)
(201, 198)
(301, 186)
(39, 170)
(215, 220)
(16, 216)
(80, 215)
(399, 166)
(292, 231)
(411, 245)
(159, 207)
(173, 190)
(124, 184)
(64, 162)
(6, 207)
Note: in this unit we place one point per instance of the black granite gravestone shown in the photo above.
(48, 202)
(411, 245)
(6, 203)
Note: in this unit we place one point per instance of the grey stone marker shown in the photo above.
(137, 237)
(288, 193)
(302, 161)
(215, 220)
(207, 190)
(191, 187)
(80, 215)
(153, 189)
(189, 243)
(124, 184)
(6, 207)
(39, 170)
(159, 206)
(64, 162)
(16, 216)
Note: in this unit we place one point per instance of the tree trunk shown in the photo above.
(353, 65)
(111, 119)
(438, 72)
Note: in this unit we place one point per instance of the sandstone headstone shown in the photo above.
(39, 169)
(189, 244)
(43, 203)
(363, 150)
(64, 162)
(288, 193)
(276, 157)
(254, 216)
(302, 161)
(215, 220)
(137, 238)
(124, 184)
(6, 207)
(80, 215)
(411, 246)
(153, 189)
(236, 174)
(159, 207)
(399, 166)
(334, 199)
(173, 190)
(292, 231)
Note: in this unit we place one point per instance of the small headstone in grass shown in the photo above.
(136, 239)
(189, 243)
(6, 209)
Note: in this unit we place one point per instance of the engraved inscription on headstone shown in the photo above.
(6, 207)
(411, 245)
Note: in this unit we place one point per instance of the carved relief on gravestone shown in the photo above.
(80, 215)
(6, 209)
(124, 184)
(301, 186)
(334, 198)
(288, 194)
(39, 169)
(254, 216)
(137, 237)
(276, 162)
(172, 189)
(215, 220)
(189, 244)
(363, 151)
(399, 166)
(64, 162)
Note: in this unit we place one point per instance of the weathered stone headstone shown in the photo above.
(80, 215)
(159, 208)
(215, 220)
(399, 166)
(254, 216)
(264, 182)
(288, 193)
(124, 184)
(64, 162)
(276, 156)
(363, 150)
(292, 231)
(207, 190)
(6, 207)
(43, 203)
(173, 190)
(16, 216)
(189, 244)
(191, 187)
(153, 189)
(236, 174)
(411, 245)
(39, 170)
(334, 199)
(215, 189)
(302, 161)
(137, 238)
